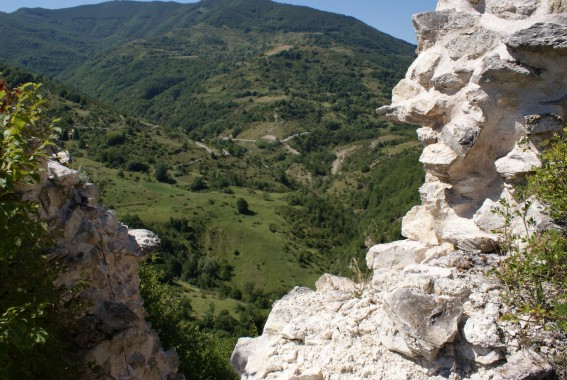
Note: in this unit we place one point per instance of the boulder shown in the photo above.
(424, 67)
(545, 123)
(426, 321)
(62, 175)
(438, 158)
(524, 365)
(147, 241)
(540, 37)
(451, 80)
(419, 225)
(397, 254)
(427, 135)
(517, 163)
(482, 331)
(460, 137)
(486, 217)
(501, 72)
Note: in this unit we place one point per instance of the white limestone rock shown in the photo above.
(330, 283)
(419, 225)
(452, 80)
(397, 254)
(516, 9)
(520, 161)
(438, 158)
(427, 135)
(148, 242)
(239, 357)
(62, 174)
(460, 137)
(451, 287)
(426, 322)
(438, 251)
(489, 358)
(540, 37)
(464, 234)
(310, 374)
(502, 72)
(428, 271)
(62, 157)
(482, 331)
(486, 217)
(100, 259)
(423, 68)
(525, 365)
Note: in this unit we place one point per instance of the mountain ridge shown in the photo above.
(120, 21)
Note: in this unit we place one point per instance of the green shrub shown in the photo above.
(198, 184)
(114, 138)
(550, 182)
(242, 206)
(30, 319)
(162, 174)
(137, 166)
(535, 271)
(201, 355)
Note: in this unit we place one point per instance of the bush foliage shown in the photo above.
(30, 321)
(202, 355)
(535, 271)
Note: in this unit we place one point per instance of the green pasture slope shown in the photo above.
(176, 111)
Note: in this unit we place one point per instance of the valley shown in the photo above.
(178, 112)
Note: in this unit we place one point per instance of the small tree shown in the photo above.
(198, 184)
(242, 206)
(162, 175)
(30, 319)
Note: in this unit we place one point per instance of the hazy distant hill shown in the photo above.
(189, 65)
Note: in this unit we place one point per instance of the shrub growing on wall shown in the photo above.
(535, 271)
(29, 322)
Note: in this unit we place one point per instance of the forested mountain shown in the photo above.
(215, 65)
(183, 114)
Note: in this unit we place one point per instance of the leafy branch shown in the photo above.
(534, 271)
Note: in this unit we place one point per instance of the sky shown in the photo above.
(392, 17)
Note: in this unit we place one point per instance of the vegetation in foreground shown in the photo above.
(32, 321)
(534, 272)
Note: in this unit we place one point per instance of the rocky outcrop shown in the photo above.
(99, 259)
(489, 85)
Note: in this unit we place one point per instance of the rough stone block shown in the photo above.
(540, 37)
(397, 254)
(427, 321)
(438, 157)
(62, 174)
(482, 331)
(544, 123)
(517, 163)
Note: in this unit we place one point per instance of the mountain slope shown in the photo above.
(165, 61)
(211, 102)
(275, 92)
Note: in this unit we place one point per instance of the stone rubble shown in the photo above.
(489, 85)
(99, 259)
